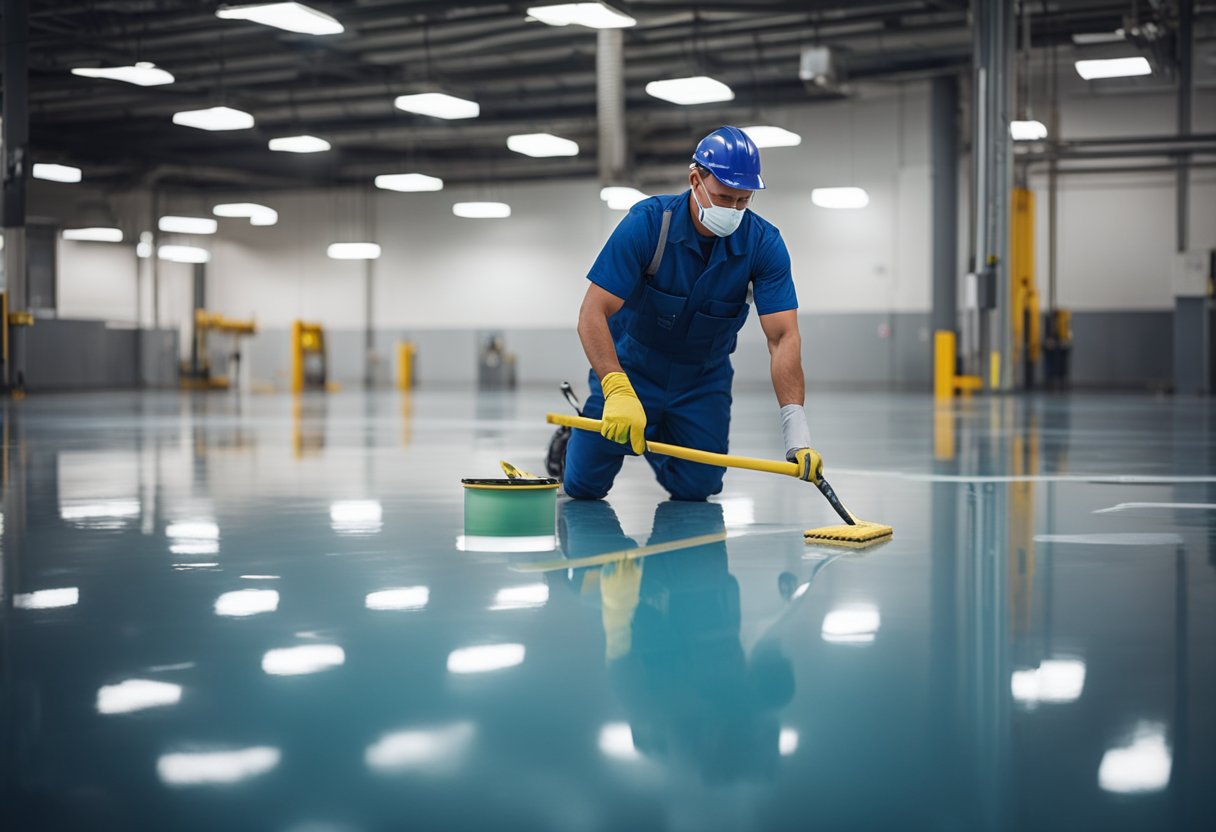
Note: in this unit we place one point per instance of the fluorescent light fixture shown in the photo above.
(482, 210)
(398, 598)
(765, 135)
(184, 254)
(136, 695)
(213, 768)
(353, 251)
(485, 658)
(257, 214)
(527, 597)
(433, 751)
(188, 225)
(307, 658)
(299, 144)
(840, 198)
(142, 74)
(851, 625)
(518, 543)
(356, 516)
(698, 89)
(292, 17)
(620, 198)
(1027, 131)
(1143, 766)
(56, 173)
(1091, 38)
(541, 145)
(1113, 68)
(93, 235)
(214, 118)
(47, 599)
(616, 740)
(438, 105)
(246, 602)
(408, 182)
(591, 15)
(787, 741)
(1053, 681)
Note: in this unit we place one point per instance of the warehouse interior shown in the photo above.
(280, 279)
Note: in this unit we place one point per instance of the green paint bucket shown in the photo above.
(507, 514)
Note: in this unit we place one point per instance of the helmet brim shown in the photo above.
(742, 181)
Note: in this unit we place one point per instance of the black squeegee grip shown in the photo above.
(835, 501)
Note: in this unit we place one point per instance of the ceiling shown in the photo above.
(527, 77)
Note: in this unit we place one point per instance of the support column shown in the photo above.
(16, 167)
(369, 332)
(1186, 82)
(992, 161)
(943, 107)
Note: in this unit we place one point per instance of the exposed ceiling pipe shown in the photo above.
(610, 104)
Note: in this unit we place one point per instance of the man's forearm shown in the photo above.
(597, 343)
(786, 368)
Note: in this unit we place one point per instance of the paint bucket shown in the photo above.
(517, 514)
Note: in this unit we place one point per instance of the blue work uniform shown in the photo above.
(674, 336)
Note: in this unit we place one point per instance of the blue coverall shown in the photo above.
(674, 336)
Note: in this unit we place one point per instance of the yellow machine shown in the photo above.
(309, 364)
(197, 374)
(1024, 300)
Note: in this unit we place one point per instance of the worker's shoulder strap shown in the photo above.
(653, 268)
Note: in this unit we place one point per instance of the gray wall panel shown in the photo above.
(1123, 349)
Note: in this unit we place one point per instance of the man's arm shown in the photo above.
(598, 306)
(624, 418)
(785, 351)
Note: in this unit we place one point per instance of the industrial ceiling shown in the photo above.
(526, 76)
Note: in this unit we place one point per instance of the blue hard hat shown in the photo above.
(732, 157)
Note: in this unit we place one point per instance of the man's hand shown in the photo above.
(810, 464)
(624, 419)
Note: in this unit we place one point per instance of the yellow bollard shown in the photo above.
(944, 345)
(405, 365)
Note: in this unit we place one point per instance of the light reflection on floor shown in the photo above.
(227, 613)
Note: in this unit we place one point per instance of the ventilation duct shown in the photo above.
(610, 105)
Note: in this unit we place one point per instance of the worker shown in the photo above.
(668, 295)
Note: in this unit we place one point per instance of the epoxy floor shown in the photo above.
(227, 613)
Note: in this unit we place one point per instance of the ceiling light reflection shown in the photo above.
(307, 658)
(201, 768)
(1143, 766)
(485, 658)
(356, 516)
(136, 695)
(518, 543)
(47, 599)
(856, 624)
(787, 741)
(616, 740)
(398, 598)
(1053, 681)
(246, 602)
(525, 597)
(434, 750)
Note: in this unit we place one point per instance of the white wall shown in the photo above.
(1116, 234)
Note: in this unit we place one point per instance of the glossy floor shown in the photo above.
(259, 613)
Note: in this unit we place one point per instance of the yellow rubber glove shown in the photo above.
(624, 419)
(810, 464)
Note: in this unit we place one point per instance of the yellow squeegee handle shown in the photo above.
(770, 466)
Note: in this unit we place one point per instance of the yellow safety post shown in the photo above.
(405, 365)
(944, 345)
(1024, 294)
(297, 357)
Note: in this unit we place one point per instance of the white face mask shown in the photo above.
(721, 221)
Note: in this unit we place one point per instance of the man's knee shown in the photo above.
(584, 491)
(687, 483)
